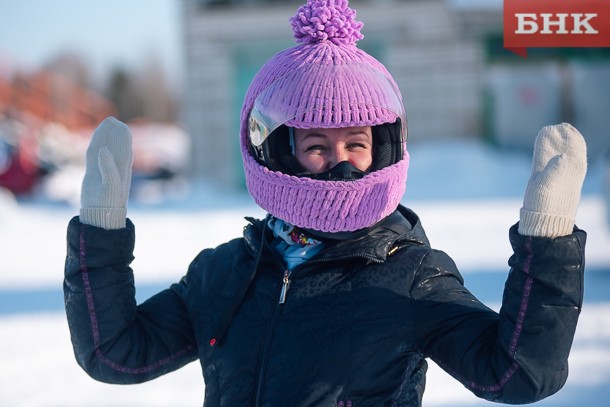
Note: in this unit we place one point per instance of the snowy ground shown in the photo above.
(462, 193)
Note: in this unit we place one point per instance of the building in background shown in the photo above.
(552, 85)
(448, 60)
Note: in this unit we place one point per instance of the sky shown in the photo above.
(106, 33)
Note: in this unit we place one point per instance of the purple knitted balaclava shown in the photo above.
(324, 82)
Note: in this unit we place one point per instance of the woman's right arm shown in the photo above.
(114, 339)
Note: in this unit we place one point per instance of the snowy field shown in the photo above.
(467, 195)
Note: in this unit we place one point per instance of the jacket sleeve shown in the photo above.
(115, 340)
(521, 354)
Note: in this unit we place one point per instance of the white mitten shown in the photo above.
(553, 190)
(107, 176)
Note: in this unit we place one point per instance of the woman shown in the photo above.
(336, 298)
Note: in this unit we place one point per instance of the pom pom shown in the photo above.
(326, 20)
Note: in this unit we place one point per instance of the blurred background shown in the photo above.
(176, 72)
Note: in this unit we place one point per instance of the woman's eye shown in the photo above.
(315, 148)
(354, 146)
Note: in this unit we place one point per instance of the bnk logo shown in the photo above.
(555, 23)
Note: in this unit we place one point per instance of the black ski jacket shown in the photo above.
(350, 327)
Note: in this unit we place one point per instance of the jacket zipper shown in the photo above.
(285, 286)
(268, 336)
(275, 312)
(287, 273)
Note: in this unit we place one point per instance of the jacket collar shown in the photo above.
(400, 228)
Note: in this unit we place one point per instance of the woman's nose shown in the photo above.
(339, 155)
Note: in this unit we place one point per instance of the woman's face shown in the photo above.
(319, 150)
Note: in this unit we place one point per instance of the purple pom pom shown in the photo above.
(321, 20)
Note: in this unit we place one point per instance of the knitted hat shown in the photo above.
(324, 82)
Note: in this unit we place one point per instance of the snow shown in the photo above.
(463, 191)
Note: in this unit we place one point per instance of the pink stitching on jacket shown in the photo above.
(527, 290)
(95, 327)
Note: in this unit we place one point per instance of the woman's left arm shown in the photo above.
(520, 355)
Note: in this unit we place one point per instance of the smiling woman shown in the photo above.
(338, 279)
(320, 150)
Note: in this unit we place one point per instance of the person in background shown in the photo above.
(336, 297)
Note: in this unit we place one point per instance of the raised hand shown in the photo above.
(553, 191)
(107, 180)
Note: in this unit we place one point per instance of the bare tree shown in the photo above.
(143, 94)
(157, 98)
(124, 92)
(72, 67)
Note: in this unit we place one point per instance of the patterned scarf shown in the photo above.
(292, 243)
